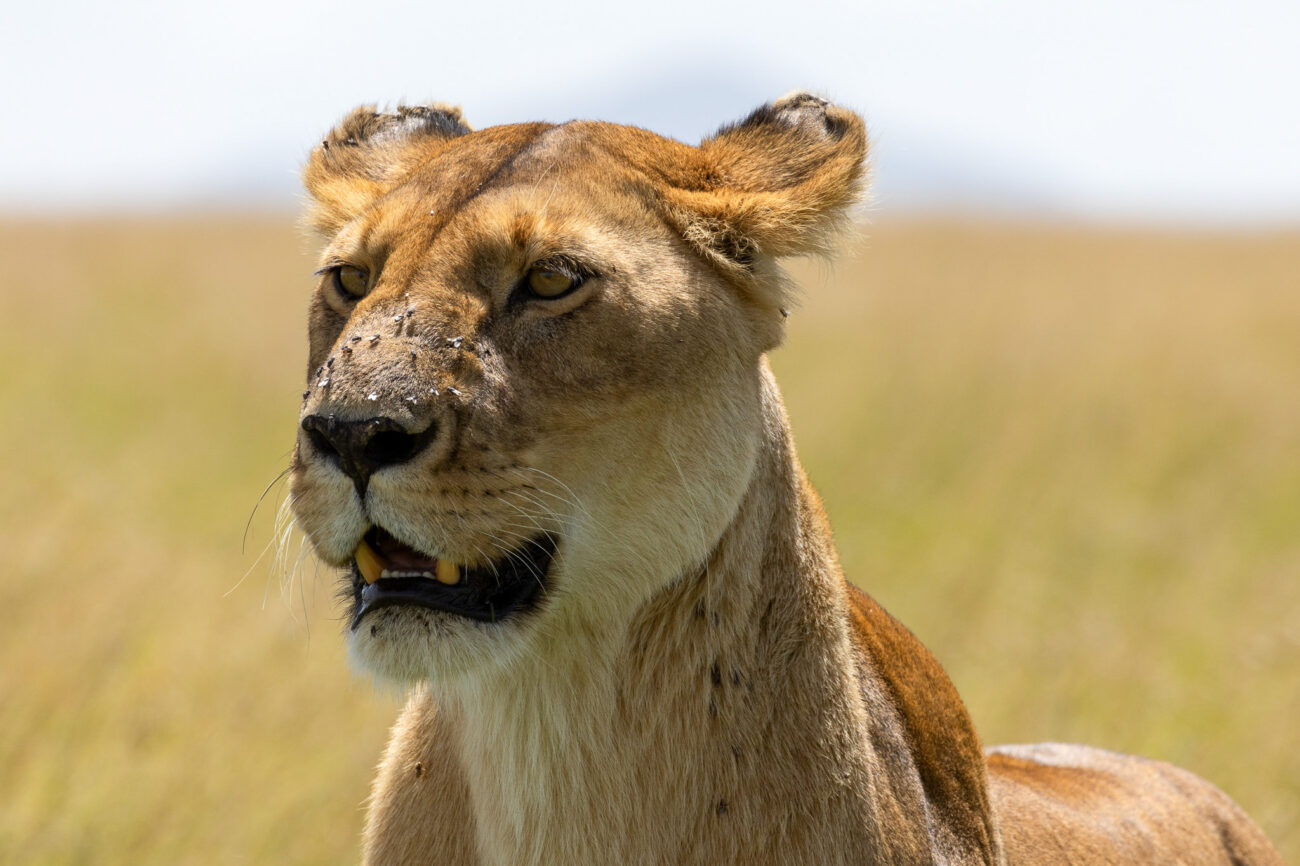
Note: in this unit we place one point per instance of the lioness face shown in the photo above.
(533, 394)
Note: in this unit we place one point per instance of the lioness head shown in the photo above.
(534, 382)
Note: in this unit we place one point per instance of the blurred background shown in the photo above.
(1050, 391)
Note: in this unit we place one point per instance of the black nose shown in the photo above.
(361, 448)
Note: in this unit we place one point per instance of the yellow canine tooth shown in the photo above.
(368, 562)
(447, 572)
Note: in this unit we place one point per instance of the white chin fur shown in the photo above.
(404, 646)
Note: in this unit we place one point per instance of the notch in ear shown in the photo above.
(368, 154)
(778, 183)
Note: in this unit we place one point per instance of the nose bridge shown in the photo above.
(398, 353)
(371, 368)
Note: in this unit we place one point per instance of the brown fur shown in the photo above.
(698, 683)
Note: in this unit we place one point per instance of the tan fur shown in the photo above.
(698, 683)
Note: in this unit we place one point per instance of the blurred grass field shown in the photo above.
(1068, 459)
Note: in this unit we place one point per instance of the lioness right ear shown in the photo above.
(368, 153)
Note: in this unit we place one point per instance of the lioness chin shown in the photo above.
(541, 439)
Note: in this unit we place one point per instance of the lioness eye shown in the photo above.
(350, 281)
(546, 283)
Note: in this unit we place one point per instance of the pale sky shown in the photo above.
(1172, 111)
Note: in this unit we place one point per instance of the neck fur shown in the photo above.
(719, 711)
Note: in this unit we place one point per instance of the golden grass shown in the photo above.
(1068, 459)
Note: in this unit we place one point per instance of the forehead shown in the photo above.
(510, 179)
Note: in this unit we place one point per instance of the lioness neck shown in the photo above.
(731, 720)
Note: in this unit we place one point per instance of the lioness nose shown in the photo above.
(361, 448)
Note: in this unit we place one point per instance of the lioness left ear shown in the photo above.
(778, 183)
(368, 153)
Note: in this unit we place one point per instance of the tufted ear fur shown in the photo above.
(778, 183)
(368, 153)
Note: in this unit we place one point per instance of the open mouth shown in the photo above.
(388, 573)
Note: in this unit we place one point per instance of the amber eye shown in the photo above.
(548, 283)
(350, 281)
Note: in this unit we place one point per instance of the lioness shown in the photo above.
(541, 437)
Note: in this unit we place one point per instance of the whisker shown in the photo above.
(260, 557)
(278, 478)
(534, 519)
(285, 525)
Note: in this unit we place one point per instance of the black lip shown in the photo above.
(487, 593)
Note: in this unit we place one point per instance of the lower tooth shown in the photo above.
(447, 573)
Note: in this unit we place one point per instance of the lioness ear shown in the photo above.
(368, 153)
(778, 183)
